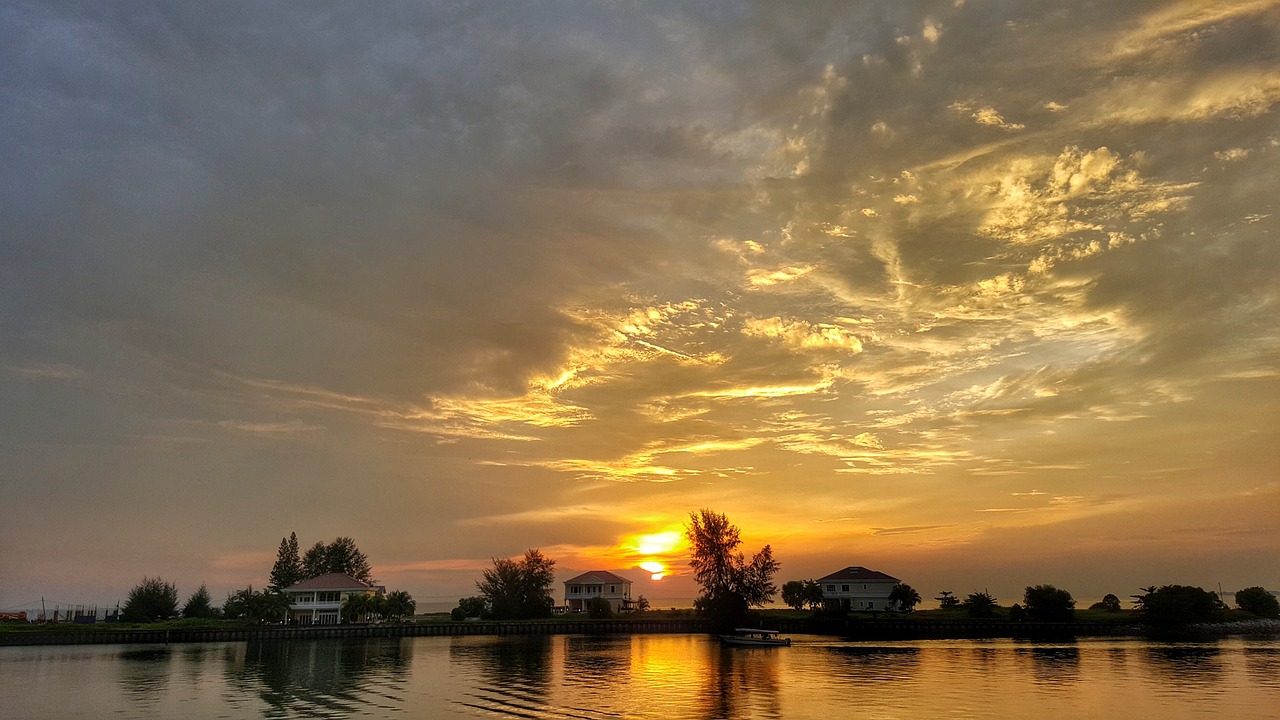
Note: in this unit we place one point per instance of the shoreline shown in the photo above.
(853, 629)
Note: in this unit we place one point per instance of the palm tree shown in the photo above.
(399, 604)
(357, 607)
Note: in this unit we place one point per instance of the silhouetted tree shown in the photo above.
(904, 597)
(1017, 613)
(342, 556)
(730, 584)
(400, 604)
(150, 600)
(1109, 602)
(1048, 603)
(946, 600)
(1258, 601)
(315, 561)
(793, 594)
(1178, 605)
(253, 606)
(199, 605)
(288, 568)
(599, 608)
(519, 589)
(980, 605)
(468, 607)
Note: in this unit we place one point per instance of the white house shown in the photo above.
(597, 583)
(857, 588)
(318, 601)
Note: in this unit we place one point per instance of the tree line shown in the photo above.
(154, 599)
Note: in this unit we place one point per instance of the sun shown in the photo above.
(653, 547)
(657, 569)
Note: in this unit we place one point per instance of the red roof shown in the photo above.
(331, 581)
(858, 573)
(597, 576)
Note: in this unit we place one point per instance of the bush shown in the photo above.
(1178, 605)
(1109, 602)
(598, 608)
(1048, 603)
(468, 607)
(1258, 601)
(980, 605)
(151, 600)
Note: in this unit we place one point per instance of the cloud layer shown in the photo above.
(914, 285)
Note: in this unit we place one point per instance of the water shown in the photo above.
(643, 676)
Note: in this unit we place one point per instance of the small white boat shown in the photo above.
(755, 637)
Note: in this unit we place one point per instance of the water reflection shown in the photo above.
(325, 677)
(144, 674)
(740, 683)
(874, 664)
(515, 672)
(594, 661)
(1187, 664)
(1053, 664)
(1263, 665)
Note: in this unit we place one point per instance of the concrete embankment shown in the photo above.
(851, 629)
(598, 627)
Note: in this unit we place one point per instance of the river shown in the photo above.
(643, 676)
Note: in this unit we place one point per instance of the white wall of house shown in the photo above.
(862, 595)
(576, 595)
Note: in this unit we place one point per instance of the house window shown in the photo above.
(613, 588)
(844, 588)
(831, 588)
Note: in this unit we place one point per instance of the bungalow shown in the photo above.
(857, 588)
(597, 583)
(318, 601)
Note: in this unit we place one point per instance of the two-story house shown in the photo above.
(597, 583)
(318, 601)
(857, 588)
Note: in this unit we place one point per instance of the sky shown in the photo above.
(978, 294)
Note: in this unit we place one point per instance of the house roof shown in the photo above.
(597, 576)
(858, 573)
(330, 581)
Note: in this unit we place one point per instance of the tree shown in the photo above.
(642, 604)
(1109, 602)
(1017, 613)
(730, 584)
(400, 604)
(361, 607)
(255, 607)
(519, 589)
(946, 600)
(342, 556)
(1258, 601)
(793, 594)
(1177, 605)
(1048, 603)
(199, 605)
(905, 597)
(980, 605)
(151, 600)
(288, 568)
(468, 607)
(599, 608)
(315, 561)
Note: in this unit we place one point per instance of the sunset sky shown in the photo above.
(978, 294)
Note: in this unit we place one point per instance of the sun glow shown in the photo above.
(657, 569)
(658, 543)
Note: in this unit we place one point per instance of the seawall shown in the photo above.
(849, 629)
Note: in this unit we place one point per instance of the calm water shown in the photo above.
(643, 676)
